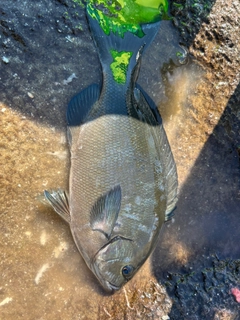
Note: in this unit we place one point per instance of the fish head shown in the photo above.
(116, 263)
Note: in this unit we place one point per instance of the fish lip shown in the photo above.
(111, 287)
(108, 286)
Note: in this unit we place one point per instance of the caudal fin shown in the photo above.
(119, 48)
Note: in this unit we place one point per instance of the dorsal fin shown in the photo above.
(144, 107)
(149, 100)
(172, 186)
(150, 114)
(105, 211)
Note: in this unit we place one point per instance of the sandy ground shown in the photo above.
(47, 56)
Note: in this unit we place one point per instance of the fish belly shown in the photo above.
(110, 151)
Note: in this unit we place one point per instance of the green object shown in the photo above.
(79, 2)
(119, 65)
(120, 16)
(179, 54)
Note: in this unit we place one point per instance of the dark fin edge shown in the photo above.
(59, 201)
(104, 212)
(169, 214)
(81, 104)
(150, 102)
(141, 108)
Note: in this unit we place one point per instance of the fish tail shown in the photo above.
(119, 46)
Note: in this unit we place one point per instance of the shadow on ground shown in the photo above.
(199, 255)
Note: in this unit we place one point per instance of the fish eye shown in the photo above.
(127, 271)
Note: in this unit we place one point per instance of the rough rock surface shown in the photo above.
(47, 56)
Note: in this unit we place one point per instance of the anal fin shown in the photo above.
(80, 105)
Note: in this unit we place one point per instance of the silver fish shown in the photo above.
(123, 180)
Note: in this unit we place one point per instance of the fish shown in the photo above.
(123, 177)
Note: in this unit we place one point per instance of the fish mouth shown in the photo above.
(110, 287)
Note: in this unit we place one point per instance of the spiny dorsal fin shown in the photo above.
(105, 211)
(59, 201)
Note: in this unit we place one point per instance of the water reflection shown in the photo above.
(209, 203)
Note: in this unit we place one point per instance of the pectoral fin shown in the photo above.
(59, 201)
(105, 211)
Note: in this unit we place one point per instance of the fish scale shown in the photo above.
(102, 141)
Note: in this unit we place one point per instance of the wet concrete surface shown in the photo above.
(196, 263)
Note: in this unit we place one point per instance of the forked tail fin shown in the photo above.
(119, 48)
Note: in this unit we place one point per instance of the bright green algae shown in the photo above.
(120, 64)
(120, 16)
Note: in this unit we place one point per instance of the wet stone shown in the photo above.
(47, 56)
(202, 292)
